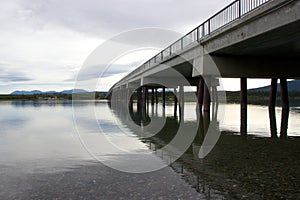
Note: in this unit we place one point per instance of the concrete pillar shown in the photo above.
(146, 96)
(285, 108)
(200, 93)
(201, 131)
(147, 99)
(156, 96)
(214, 94)
(243, 107)
(152, 109)
(206, 104)
(144, 102)
(164, 97)
(139, 99)
(175, 102)
(206, 121)
(181, 103)
(156, 110)
(207, 98)
(272, 103)
(130, 98)
(152, 97)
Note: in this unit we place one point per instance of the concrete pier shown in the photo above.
(285, 108)
(175, 102)
(243, 107)
(181, 103)
(152, 97)
(272, 104)
(207, 97)
(200, 93)
(156, 96)
(164, 97)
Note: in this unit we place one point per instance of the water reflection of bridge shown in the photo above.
(164, 128)
(155, 142)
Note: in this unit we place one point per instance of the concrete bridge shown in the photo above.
(246, 39)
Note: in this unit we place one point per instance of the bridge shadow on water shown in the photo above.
(236, 168)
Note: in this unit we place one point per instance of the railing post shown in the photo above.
(170, 50)
(209, 26)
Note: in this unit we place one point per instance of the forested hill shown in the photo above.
(292, 86)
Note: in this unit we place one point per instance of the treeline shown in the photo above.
(36, 97)
(57, 96)
(262, 98)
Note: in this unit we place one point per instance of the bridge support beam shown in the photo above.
(285, 108)
(243, 107)
(272, 103)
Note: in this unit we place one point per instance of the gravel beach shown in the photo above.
(256, 168)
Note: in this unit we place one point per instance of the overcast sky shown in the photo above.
(45, 42)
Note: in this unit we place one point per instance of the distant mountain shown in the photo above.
(23, 92)
(50, 92)
(73, 91)
(292, 86)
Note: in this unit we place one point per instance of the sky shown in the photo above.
(45, 43)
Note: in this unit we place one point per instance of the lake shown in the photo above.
(52, 150)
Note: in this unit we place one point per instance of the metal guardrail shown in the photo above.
(230, 13)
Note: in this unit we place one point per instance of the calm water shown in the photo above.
(41, 138)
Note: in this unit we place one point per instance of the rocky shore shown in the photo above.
(256, 168)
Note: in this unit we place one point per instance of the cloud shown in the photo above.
(13, 78)
(103, 71)
(47, 41)
(103, 18)
(7, 75)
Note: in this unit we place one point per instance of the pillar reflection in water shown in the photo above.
(146, 113)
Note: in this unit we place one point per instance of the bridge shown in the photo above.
(246, 39)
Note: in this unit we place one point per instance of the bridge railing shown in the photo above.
(230, 13)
